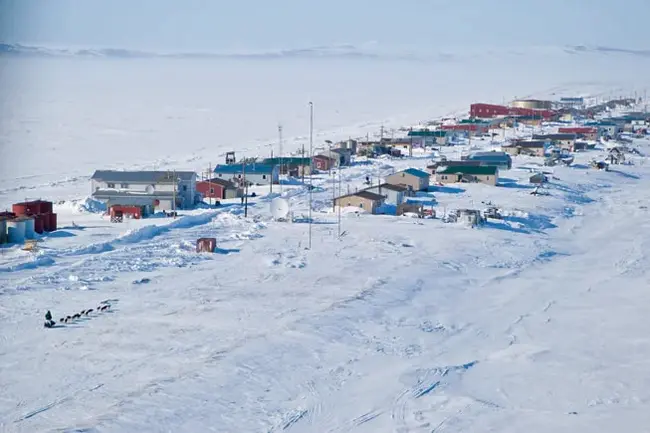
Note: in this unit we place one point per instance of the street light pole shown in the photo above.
(311, 163)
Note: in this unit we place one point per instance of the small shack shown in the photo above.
(206, 245)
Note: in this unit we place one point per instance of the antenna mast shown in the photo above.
(311, 163)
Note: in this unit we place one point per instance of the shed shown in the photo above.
(206, 245)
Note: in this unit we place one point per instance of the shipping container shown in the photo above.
(38, 223)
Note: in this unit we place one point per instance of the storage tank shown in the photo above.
(16, 231)
(38, 224)
(532, 104)
(29, 227)
(3, 230)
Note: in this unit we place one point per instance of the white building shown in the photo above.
(153, 190)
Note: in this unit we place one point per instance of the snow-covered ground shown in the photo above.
(534, 323)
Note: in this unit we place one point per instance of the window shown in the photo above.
(211, 190)
(124, 185)
(184, 187)
(487, 178)
(263, 176)
(361, 205)
(110, 185)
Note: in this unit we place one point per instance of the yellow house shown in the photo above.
(486, 174)
(414, 179)
(366, 200)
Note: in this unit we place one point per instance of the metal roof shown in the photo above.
(427, 133)
(249, 168)
(389, 186)
(219, 181)
(287, 160)
(108, 193)
(142, 176)
(364, 194)
(415, 172)
(470, 169)
(554, 136)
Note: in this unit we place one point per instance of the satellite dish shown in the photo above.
(279, 208)
(150, 189)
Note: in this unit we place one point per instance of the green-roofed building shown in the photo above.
(430, 137)
(486, 174)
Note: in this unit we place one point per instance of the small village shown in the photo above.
(492, 136)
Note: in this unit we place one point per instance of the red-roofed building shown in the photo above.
(588, 133)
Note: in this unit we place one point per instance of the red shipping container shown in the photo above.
(38, 224)
(52, 222)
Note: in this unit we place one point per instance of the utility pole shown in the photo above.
(303, 163)
(209, 184)
(243, 169)
(411, 146)
(339, 209)
(311, 155)
(281, 156)
(271, 180)
(174, 193)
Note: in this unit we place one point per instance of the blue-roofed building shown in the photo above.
(411, 178)
(255, 174)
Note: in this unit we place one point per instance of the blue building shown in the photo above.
(255, 174)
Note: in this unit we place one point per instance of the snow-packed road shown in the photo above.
(533, 324)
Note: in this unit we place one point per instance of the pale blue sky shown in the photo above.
(266, 24)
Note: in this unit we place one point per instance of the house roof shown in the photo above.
(389, 186)
(554, 136)
(323, 157)
(529, 143)
(287, 160)
(470, 169)
(427, 133)
(142, 176)
(108, 193)
(415, 172)
(219, 181)
(364, 194)
(454, 163)
(248, 168)
(339, 150)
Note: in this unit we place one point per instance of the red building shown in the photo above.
(471, 128)
(486, 111)
(587, 132)
(323, 163)
(218, 189)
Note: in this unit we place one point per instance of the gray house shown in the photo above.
(153, 190)
(394, 194)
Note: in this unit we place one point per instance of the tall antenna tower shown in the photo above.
(311, 155)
